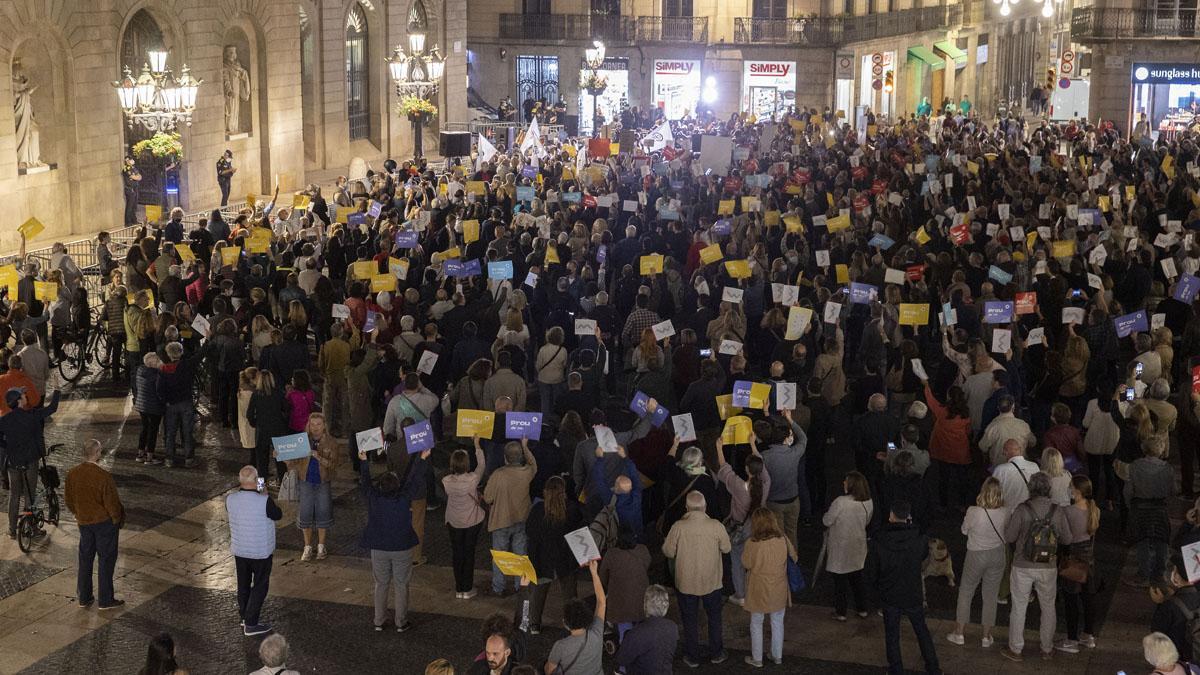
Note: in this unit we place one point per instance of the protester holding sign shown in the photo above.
(507, 497)
(315, 477)
(464, 516)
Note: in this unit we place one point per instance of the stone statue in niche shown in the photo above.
(28, 143)
(236, 87)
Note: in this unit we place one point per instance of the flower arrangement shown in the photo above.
(594, 81)
(160, 145)
(411, 106)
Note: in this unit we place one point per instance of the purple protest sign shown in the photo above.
(659, 416)
(528, 172)
(602, 254)
(862, 293)
(455, 268)
(472, 268)
(406, 239)
(640, 404)
(741, 393)
(1132, 323)
(355, 219)
(523, 425)
(418, 437)
(997, 311)
(722, 227)
(1186, 288)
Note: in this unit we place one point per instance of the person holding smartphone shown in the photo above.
(252, 513)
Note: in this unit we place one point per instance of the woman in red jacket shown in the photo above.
(950, 444)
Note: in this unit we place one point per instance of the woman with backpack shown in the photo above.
(767, 592)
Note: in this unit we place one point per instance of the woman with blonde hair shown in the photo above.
(730, 322)
(1160, 652)
(1074, 366)
(985, 562)
(247, 383)
(846, 543)
(260, 335)
(1084, 518)
(767, 593)
(1060, 479)
(1163, 340)
(298, 317)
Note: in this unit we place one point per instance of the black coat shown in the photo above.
(267, 413)
(897, 552)
(548, 549)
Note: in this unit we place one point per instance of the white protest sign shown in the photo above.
(663, 329)
(1035, 336)
(892, 276)
(341, 311)
(371, 439)
(1158, 321)
(1168, 266)
(531, 280)
(1073, 315)
(605, 438)
(583, 545)
(729, 294)
(1094, 281)
(427, 362)
(200, 325)
(685, 428)
(1001, 340)
(785, 395)
(585, 326)
(730, 347)
(832, 311)
(823, 258)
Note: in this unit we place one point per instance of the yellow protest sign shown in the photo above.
(552, 255)
(470, 231)
(1167, 165)
(922, 236)
(364, 269)
(837, 223)
(796, 125)
(651, 264)
(475, 423)
(614, 149)
(1130, 193)
(738, 269)
(513, 565)
(1063, 249)
(153, 213)
(751, 203)
(914, 313)
(571, 150)
(9, 277)
(725, 207)
(300, 201)
(46, 291)
(185, 252)
(1105, 203)
(737, 430)
(251, 199)
(843, 274)
(793, 223)
(1031, 239)
(792, 189)
(476, 187)
(31, 228)
(771, 218)
(383, 282)
(760, 395)
(259, 240)
(798, 320)
(871, 129)
(230, 256)
(725, 406)
(343, 214)
(973, 168)
(711, 254)
(398, 267)
(451, 253)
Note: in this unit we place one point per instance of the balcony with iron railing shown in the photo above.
(1114, 23)
(568, 27)
(673, 29)
(831, 31)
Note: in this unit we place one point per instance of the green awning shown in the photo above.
(926, 56)
(950, 49)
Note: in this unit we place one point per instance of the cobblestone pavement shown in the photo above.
(176, 574)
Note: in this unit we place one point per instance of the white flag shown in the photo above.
(533, 138)
(486, 152)
(659, 137)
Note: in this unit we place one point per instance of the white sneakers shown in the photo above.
(307, 554)
(321, 552)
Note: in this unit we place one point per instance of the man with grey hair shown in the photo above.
(649, 647)
(697, 544)
(1036, 526)
(1006, 425)
(174, 387)
(274, 652)
(252, 513)
(91, 496)
(507, 496)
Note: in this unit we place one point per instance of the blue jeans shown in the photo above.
(179, 418)
(891, 637)
(689, 612)
(1151, 559)
(511, 539)
(738, 544)
(97, 540)
(756, 635)
(548, 394)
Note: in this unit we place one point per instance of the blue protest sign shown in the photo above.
(997, 311)
(419, 437)
(502, 269)
(640, 404)
(1186, 288)
(602, 254)
(668, 214)
(882, 241)
(862, 293)
(295, 446)
(375, 210)
(406, 239)
(660, 415)
(472, 268)
(524, 193)
(355, 219)
(455, 268)
(722, 227)
(1131, 323)
(999, 275)
(572, 197)
(523, 425)
(741, 393)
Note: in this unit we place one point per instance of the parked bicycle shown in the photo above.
(31, 522)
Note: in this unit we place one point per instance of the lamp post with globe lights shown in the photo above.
(595, 85)
(416, 74)
(157, 100)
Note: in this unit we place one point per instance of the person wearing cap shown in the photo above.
(22, 441)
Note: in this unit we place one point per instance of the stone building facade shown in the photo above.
(319, 95)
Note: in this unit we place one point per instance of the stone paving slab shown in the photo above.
(17, 576)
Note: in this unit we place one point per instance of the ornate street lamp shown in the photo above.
(594, 84)
(158, 100)
(416, 75)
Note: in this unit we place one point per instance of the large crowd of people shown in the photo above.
(721, 347)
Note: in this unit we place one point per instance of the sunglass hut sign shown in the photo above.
(1166, 73)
